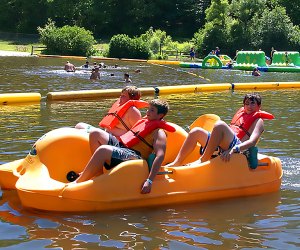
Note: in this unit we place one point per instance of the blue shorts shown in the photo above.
(120, 153)
(202, 149)
(235, 141)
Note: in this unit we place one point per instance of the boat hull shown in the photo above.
(120, 187)
(41, 178)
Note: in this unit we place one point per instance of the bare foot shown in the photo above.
(194, 163)
(172, 164)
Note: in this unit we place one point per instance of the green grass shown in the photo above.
(24, 44)
(18, 44)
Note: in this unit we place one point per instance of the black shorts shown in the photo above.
(120, 153)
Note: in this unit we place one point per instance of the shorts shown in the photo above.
(202, 149)
(120, 153)
(235, 141)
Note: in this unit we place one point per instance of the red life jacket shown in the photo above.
(241, 122)
(116, 112)
(142, 128)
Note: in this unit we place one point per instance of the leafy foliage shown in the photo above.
(246, 24)
(68, 40)
(122, 46)
(215, 32)
(229, 24)
(273, 28)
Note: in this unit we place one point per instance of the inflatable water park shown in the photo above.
(45, 175)
(282, 61)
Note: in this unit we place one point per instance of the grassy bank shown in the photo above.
(18, 42)
(24, 42)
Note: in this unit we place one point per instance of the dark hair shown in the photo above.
(161, 105)
(126, 74)
(253, 97)
(133, 92)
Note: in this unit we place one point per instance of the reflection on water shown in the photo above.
(270, 221)
(253, 222)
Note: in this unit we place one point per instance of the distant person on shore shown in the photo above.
(192, 54)
(287, 59)
(127, 78)
(69, 67)
(217, 51)
(95, 74)
(256, 72)
(272, 53)
(236, 54)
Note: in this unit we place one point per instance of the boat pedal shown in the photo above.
(72, 176)
(261, 164)
(165, 172)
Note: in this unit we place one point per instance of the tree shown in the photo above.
(68, 40)
(243, 11)
(273, 29)
(215, 31)
(21, 15)
(292, 9)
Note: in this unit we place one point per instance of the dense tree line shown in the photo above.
(250, 25)
(205, 24)
(179, 18)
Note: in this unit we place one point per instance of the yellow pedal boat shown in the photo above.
(41, 182)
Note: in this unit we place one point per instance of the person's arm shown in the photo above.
(159, 145)
(255, 135)
(132, 116)
(252, 141)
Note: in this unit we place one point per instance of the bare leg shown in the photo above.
(195, 135)
(222, 136)
(97, 138)
(82, 125)
(95, 165)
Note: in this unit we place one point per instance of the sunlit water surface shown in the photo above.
(264, 222)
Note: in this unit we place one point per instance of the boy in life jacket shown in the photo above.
(121, 116)
(146, 137)
(243, 132)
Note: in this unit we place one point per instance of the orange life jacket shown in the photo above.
(116, 112)
(141, 129)
(241, 121)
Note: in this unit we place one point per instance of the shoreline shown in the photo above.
(13, 53)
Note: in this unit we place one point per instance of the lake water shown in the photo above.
(269, 221)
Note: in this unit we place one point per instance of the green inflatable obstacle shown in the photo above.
(212, 62)
(286, 59)
(248, 60)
